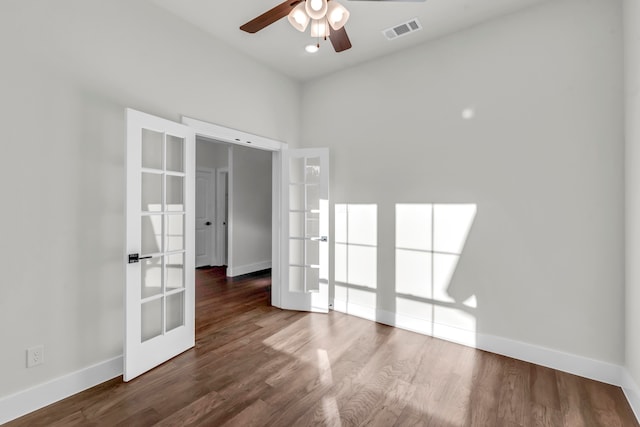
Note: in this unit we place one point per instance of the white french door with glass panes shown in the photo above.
(160, 276)
(306, 203)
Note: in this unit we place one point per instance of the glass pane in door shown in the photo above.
(151, 319)
(151, 280)
(296, 197)
(175, 193)
(151, 192)
(175, 311)
(151, 230)
(312, 170)
(175, 153)
(296, 170)
(312, 224)
(296, 224)
(312, 279)
(175, 271)
(313, 197)
(312, 252)
(296, 251)
(296, 279)
(152, 149)
(175, 232)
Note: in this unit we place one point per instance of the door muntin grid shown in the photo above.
(162, 239)
(304, 224)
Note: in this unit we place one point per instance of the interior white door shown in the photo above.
(160, 276)
(204, 217)
(306, 203)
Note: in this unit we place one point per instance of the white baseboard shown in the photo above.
(589, 368)
(29, 400)
(632, 392)
(566, 362)
(239, 270)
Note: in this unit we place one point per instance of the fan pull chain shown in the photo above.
(326, 26)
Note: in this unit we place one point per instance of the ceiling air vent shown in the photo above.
(402, 29)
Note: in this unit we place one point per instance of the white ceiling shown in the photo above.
(282, 47)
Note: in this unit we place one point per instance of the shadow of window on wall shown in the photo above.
(356, 256)
(430, 239)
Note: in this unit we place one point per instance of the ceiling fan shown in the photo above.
(327, 18)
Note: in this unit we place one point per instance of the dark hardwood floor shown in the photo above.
(256, 365)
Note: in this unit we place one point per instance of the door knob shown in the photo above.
(207, 223)
(133, 258)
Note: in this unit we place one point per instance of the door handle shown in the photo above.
(320, 239)
(133, 258)
(207, 223)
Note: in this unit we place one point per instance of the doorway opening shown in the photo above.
(212, 168)
(233, 214)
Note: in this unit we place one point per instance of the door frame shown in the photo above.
(211, 250)
(222, 242)
(278, 219)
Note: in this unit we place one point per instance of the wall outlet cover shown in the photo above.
(35, 356)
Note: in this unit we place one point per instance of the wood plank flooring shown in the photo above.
(255, 365)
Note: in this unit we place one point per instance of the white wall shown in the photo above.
(69, 68)
(211, 154)
(632, 168)
(542, 161)
(249, 210)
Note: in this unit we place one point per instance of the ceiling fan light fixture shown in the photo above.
(337, 15)
(319, 28)
(316, 9)
(298, 18)
(312, 48)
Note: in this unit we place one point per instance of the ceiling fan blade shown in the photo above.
(340, 40)
(270, 16)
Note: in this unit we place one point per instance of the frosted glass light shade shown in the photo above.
(337, 15)
(316, 9)
(319, 28)
(312, 48)
(298, 18)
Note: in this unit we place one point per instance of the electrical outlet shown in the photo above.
(35, 356)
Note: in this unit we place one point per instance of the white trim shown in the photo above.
(277, 213)
(566, 362)
(631, 391)
(233, 136)
(230, 210)
(248, 268)
(41, 395)
(578, 365)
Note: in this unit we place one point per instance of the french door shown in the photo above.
(306, 251)
(160, 225)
